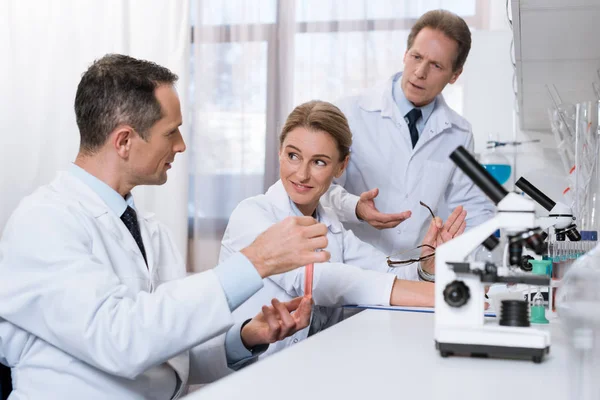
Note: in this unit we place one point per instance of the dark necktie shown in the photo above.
(413, 116)
(129, 218)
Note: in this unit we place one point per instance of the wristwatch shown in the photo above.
(424, 275)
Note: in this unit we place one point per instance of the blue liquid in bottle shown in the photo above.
(500, 172)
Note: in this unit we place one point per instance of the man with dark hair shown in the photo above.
(403, 133)
(94, 298)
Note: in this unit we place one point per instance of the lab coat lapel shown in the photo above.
(149, 230)
(278, 197)
(380, 103)
(91, 202)
(442, 119)
(115, 226)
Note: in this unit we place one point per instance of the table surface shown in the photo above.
(377, 354)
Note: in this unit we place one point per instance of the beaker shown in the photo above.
(496, 164)
(578, 302)
(587, 160)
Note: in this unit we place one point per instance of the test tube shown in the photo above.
(308, 279)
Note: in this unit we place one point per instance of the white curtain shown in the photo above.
(45, 47)
(254, 60)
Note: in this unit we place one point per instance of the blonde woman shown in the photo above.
(314, 149)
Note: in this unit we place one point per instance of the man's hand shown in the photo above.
(277, 322)
(366, 210)
(454, 225)
(439, 233)
(288, 244)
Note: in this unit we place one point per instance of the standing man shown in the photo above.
(94, 298)
(403, 134)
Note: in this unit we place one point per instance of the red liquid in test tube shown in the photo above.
(308, 279)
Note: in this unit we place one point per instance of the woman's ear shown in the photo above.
(342, 166)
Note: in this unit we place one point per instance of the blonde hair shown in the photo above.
(317, 115)
(450, 25)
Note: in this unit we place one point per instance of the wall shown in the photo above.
(489, 105)
(46, 46)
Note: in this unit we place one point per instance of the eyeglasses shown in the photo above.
(429, 208)
(408, 257)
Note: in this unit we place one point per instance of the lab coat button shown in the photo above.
(295, 340)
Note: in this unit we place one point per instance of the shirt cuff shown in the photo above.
(408, 272)
(239, 279)
(237, 354)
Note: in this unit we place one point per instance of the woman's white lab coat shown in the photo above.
(354, 275)
(77, 320)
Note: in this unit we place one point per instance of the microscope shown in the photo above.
(560, 216)
(460, 325)
(560, 221)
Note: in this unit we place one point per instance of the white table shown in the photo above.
(379, 354)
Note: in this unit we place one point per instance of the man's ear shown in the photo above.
(121, 139)
(455, 75)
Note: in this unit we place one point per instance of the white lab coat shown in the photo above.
(356, 273)
(382, 157)
(77, 318)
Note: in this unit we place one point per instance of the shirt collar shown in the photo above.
(381, 99)
(404, 105)
(115, 202)
(298, 213)
(280, 199)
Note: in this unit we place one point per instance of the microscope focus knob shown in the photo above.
(456, 294)
(525, 266)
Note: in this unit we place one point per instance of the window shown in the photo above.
(254, 59)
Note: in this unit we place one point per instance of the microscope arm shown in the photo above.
(464, 244)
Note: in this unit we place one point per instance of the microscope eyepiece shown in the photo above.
(537, 195)
(479, 175)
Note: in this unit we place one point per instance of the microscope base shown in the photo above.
(492, 340)
(485, 351)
